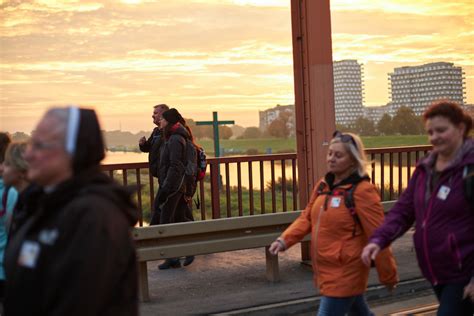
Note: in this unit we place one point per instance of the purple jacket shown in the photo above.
(444, 229)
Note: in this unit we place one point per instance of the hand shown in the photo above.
(276, 247)
(369, 253)
(469, 290)
(142, 141)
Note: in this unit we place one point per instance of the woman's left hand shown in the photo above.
(469, 290)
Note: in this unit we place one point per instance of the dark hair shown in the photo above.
(450, 110)
(5, 140)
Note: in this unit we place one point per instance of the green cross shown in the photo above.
(215, 124)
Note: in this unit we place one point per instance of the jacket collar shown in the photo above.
(353, 179)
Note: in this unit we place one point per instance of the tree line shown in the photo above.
(405, 122)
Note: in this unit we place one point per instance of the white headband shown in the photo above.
(72, 129)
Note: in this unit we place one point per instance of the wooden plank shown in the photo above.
(272, 270)
(188, 228)
(143, 282)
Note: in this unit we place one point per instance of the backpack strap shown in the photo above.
(350, 204)
(320, 191)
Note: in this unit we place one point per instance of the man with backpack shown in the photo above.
(152, 146)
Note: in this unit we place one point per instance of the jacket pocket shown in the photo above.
(350, 251)
(456, 253)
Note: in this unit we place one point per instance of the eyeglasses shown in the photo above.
(345, 138)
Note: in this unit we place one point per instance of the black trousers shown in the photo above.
(451, 301)
(175, 209)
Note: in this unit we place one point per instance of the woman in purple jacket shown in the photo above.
(437, 201)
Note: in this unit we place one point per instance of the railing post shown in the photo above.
(215, 198)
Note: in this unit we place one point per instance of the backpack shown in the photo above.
(195, 168)
(348, 202)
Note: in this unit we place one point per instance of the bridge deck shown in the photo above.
(231, 281)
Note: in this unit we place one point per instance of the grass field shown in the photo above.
(279, 145)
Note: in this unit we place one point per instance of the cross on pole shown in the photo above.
(215, 124)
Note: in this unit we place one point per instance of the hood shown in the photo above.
(83, 137)
(121, 196)
(178, 129)
(464, 156)
(93, 181)
(89, 148)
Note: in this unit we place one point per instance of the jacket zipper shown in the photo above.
(316, 233)
(425, 239)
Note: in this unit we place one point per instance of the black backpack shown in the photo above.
(195, 168)
(348, 202)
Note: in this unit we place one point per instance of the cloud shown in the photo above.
(230, 55)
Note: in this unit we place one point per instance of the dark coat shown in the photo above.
(173, 160)
(75, 254)
(152, 147)
(171, 178)
(444, 223)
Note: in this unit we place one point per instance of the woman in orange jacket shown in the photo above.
(340, 229)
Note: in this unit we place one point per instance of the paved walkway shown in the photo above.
(232, 281)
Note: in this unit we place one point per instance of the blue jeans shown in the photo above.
(340, 306)
(451, 301)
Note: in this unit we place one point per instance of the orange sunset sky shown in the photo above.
(230, 56)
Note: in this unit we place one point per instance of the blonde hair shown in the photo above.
(15, 156)
(357, 152)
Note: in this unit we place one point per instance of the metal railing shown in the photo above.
(249, 185)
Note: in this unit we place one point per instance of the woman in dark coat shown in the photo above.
(171, 198)
(74, 254)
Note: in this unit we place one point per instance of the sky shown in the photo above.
(229, 56)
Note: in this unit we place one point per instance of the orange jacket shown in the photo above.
(335, 249)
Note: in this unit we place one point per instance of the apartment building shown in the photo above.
(418, 86)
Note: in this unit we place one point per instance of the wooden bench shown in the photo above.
(213, 236)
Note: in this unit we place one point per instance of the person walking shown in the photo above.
(152, 146)
(75, 254)
(439, 201)
(171, 198)
(340, 229)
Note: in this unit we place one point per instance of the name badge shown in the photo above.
(335, 202)
(29, 254)
(443, 192)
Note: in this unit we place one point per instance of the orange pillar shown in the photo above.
(314, 90)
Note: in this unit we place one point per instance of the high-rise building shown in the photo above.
(418, 86)
(348, 91)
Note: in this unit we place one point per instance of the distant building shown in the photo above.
(375, 113)
(417, 87)
(348, 91)
(266, 117)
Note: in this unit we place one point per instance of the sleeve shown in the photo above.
(399, 219)
(96, 255)
(175, 173)
(371, 216)
(302, 225)
(147, 146)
